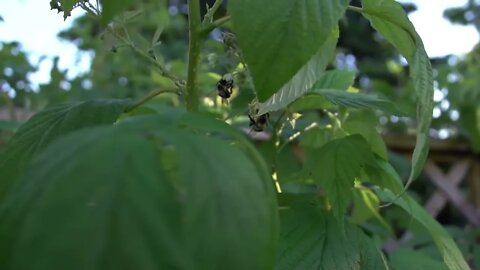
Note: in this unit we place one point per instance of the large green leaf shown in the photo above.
(304, 79)
(451, 254)
(335, 167)
(332, 79)
(358, 101)
(9, 125)
(48, 125)
(331, 88)
(335, 79)
(313, 239)
(131, 197)
(390, 20)
(277, 40)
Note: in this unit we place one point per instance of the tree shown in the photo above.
(142, 184)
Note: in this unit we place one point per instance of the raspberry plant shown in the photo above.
(114, 184)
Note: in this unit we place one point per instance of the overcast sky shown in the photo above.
(33, 24)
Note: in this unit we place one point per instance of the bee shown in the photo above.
(225, 86)
(258, 123)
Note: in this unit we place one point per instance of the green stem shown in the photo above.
(163, 70)
(208, 18)
(146, 98)
(209, 28)
(356, 9)
(195, 23)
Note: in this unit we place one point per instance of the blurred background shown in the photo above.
(46, 60)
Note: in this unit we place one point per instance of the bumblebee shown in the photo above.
(258, 123)
(225, 86)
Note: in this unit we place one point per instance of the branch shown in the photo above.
(163, 70)
(148, 97)
(211, 11)
(209, 28)
(356, 9)
(194, 23)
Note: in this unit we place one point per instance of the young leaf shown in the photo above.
(137, 198)
(451, 254)
(335, 166)
(304, 79)
(46, 126)
(67, 6)
(313, 239)
(278, 40)
(359, 101)
(367, 206)
(390, 20)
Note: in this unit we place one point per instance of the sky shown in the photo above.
(35, 26)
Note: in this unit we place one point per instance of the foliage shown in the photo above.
(142, 183)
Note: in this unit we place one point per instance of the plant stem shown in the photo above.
(356, 9)
(208, 18)
(209, 27)
(163, 70)
(194, 22)
(146, 98)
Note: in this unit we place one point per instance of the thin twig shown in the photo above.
(148, 97)
(208, 18)
(163, 70)
(356, 9)
(217, 23)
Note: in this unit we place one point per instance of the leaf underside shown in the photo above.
(278, 40)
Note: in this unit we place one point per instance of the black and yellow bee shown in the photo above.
(225, 86)
(258, 123)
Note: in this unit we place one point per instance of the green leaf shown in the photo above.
(46, 126)
(9, 125)
(381, 173)
(335, 167)
(414, 260)
(359, 101)
(201, 122)
(390, 20)
(110, 8)
(131, 197)
(313, 239)
(365, 123)
(316, 137)
(448, 249)
(304, 79)
(335, 79)
(311, 102)
(67, 6)
(366, 206)
(278, 40)
(331, 88)
(470, 122)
